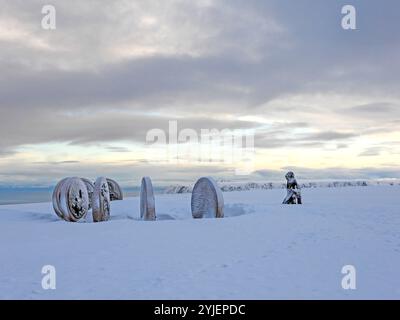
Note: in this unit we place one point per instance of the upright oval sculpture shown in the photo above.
(147, 201)
(90, 188)
(73, 200)
(101, 200)
(56, 197)
(115, 190)
(207, 199)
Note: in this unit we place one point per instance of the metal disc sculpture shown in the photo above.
(147, 201)
(90, 188)
(101, 200)
(115, 190)
(71, 199)
(207, 199)
(57, 197)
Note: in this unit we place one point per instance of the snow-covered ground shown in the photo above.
(261, 250)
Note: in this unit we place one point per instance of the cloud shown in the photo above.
(384, 111)
(374, 108)
(293, 55)
(129, 29)
(97, 128)
(373, 151)
(128, 174)
(111, 72)
(117, 149)
(329, 136)
(334, 173)
(277, 137)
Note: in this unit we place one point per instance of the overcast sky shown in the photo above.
(79, 100)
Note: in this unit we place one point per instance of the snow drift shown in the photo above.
(260, 250)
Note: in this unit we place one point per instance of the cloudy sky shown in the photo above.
(79, 100)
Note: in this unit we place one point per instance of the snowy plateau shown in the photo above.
(260, 250)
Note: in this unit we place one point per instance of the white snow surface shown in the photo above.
(260, 250)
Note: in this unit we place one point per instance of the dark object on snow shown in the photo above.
(293, 191)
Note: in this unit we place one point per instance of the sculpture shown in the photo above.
(147, 202)
(207, 199)
(71, 199)
(56, 198)
(293, 191)
(115, 190)
(101, 200)
(90, 188)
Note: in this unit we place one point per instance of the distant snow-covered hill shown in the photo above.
(241, 186)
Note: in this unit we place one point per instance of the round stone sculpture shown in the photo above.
(115, 190)
(56, 198)
(71, 199)
(90, 188)
(147, 202)
(101, 200)
(207, 199)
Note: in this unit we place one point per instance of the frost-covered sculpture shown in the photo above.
(101, 200)
(57, 197)
(207, 199)
(115, 190)
(293, 190)
(71, 199)
(147, 201)
(90, 188)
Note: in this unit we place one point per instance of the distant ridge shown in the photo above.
(241, 186)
